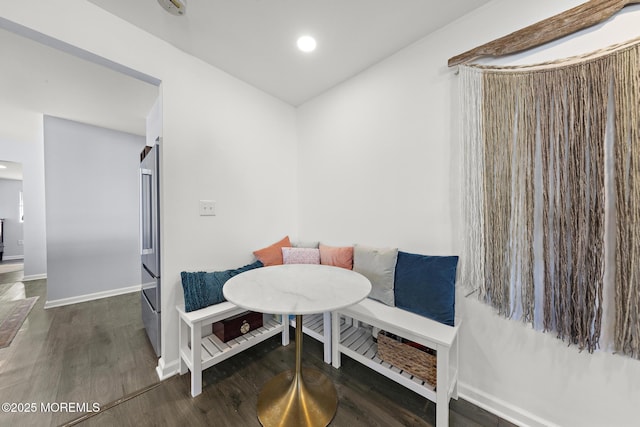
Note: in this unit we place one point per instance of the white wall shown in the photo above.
(10, 211)
(92, 196)
(228, 142)
(222, 140)
(27, 148)
(379, 164)
(374, 165)
(153, 122)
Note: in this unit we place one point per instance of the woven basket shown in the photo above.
(415, 361)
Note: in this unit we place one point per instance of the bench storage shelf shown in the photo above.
(357, 343)
(199, 352)
(355, 340)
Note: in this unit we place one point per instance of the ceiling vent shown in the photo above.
(174, 7)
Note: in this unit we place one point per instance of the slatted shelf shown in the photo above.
(357, 343)
(312, 325)
(213, 350)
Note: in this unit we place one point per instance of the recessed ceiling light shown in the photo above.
(307, 44)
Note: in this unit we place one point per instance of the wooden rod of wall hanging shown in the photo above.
(560, 25)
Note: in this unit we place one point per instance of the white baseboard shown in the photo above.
(91, 297)
(499, 407)
(12, 257)
(34, 277)
(167, 370)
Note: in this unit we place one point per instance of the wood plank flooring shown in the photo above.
(89, 352)
(98, 352)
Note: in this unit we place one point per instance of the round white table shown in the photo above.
(300, 397)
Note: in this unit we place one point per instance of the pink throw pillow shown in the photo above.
(272, 255)
(337, 256)
(300, 256)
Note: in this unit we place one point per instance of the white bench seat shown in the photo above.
(356, 341)
(199, 352)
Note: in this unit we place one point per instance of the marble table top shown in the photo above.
(296, 289)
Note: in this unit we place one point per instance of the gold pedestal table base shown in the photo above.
(298, 398)
(301, 398)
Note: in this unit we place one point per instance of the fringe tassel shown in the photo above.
(627, 183)
(543, 131)
(472, 261)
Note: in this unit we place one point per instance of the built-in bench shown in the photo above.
(198, 352)
(423, 285)
(354, 339)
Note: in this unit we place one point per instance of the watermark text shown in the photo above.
(47, 407)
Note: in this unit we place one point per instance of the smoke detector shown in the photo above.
(174, 7)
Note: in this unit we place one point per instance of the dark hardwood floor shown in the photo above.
(89, 352)
(97, 352)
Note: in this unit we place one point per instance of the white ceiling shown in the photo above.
(37, 79)
(255, 40)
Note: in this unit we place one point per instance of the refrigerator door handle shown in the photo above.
(150, 272)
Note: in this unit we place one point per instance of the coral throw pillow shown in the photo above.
(300, 256)
(272, 255)
(337, 256)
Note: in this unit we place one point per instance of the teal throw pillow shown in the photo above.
(204, 289)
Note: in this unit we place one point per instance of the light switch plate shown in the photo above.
(207, 207)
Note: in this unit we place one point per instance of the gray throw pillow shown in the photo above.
(379, 266)
(305, 244)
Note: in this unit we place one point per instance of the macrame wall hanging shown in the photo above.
(541, 200)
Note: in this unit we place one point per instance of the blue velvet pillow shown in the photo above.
(425, 285)
(204, 289)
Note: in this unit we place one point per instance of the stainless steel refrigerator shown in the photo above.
(150, 242)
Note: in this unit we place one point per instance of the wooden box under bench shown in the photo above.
(240, 324)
